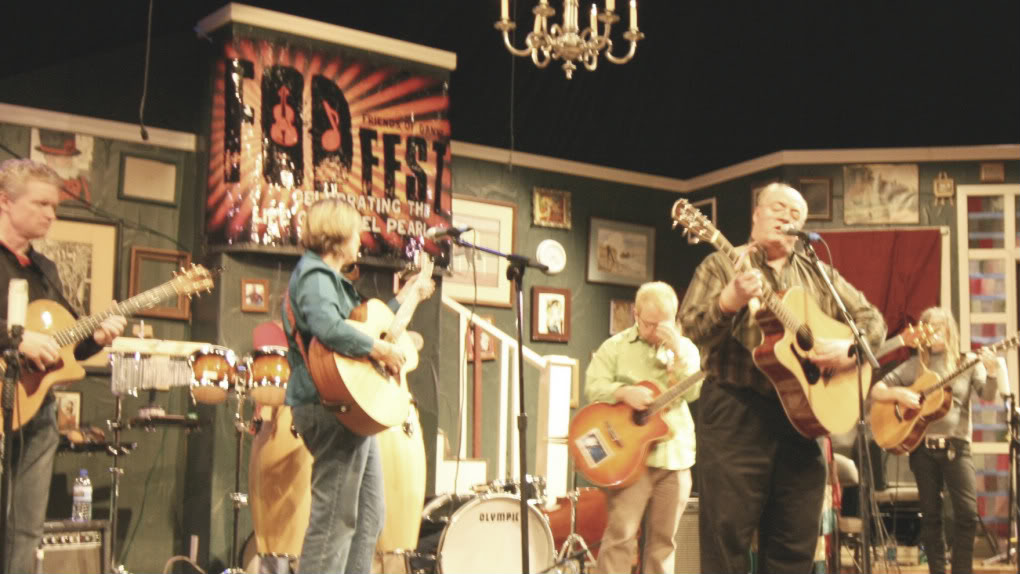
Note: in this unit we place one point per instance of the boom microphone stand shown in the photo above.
(515, 273)
(861, 351)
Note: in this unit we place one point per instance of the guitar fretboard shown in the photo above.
(84, 328)
(674, 392)
(968, 364)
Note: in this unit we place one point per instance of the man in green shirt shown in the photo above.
(653, 349)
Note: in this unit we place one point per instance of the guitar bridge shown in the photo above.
(613, 436)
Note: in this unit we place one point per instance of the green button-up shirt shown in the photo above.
(626, 359)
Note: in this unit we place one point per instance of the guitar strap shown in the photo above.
(294, 330)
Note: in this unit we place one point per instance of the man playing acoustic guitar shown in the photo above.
(29, 193)
(651, 350)
(943, 460)
(755, 470)
(347, 483)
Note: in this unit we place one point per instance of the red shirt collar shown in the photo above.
(23, 260)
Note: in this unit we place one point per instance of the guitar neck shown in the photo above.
(769, 297)
(402, 318)
(673, 393)
(968, 364)
(84, 328)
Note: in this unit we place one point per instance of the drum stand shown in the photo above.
(115, 473)
(574, 545)
(239, 498)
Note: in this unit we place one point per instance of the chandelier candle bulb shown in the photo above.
(610, 5)
(504, 9)
(633, 14)
(594, 23)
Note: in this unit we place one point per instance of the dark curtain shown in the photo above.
(899, 271)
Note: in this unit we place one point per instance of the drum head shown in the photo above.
(484, 536)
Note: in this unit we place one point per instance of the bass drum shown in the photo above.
(279, 484)
(402, 452)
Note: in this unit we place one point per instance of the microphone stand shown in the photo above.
(11, 376)
(515, 273)
(862, 351)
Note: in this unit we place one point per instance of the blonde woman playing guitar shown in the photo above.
(941, 457)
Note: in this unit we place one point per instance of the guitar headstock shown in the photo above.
(1007, 343)
(920, 335)
(191, 280)
(696, 226)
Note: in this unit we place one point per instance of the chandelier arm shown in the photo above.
(624, 59)
(510, 46)
(538, 60)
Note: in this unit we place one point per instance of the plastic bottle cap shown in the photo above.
(83, 472)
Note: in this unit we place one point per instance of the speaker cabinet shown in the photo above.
(688, 552)
(82, 547)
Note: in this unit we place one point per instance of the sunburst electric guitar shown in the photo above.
(900, 429)
(51, 318)
(365, 396)
(610, 442)
(817, 401)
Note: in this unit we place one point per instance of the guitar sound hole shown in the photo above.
(804, 338)
(811, 371)
(640, 418)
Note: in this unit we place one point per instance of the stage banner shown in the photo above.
(295, 119)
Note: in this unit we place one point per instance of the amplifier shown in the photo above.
(688, 552)
(76, 547)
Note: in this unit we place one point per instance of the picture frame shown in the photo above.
(879, 193)
(68, 410)
(550, 208)
(621, 315)
(550, 314)
(494, 225)
(488, 351)
(150, 177)
(620, 253)
(86, 254)
(708, 207)
(151, 267)
(817, 192)
(993, 172)
(255, 295)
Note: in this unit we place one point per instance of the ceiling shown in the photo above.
(714, 83)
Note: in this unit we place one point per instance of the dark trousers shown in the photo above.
(933, 469)
(35, 446)
(755, 471)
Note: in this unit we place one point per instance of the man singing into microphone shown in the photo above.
(755, 471)
(29, 193)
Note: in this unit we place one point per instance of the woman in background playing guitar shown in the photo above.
(347, 483)
(943, 458)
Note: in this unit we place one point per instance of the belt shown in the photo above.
(936, 443)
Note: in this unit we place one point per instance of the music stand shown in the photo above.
(862, 352)
(515, 273)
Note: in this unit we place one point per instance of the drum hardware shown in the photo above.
(239, 498)
(574, 547)
(116, 472)
(188, 422)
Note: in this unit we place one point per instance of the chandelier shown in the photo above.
(567, 42)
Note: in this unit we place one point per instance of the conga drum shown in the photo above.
(214, 374)
(403, 464)
(279, 484)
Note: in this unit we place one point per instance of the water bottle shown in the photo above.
(81, 508)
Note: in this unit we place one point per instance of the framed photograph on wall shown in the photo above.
(817, 192)
(68, 410)
(550, 314)
(550, 208)
(621, 315)
(151, 268)
(150, 177)
(881, 193)
(620, 253)
(85, 253)
(255, 295)
(493, 225)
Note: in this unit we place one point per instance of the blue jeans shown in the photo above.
(347, 494)
(35, 446)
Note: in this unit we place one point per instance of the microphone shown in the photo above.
(17, 303)
(434, 233)
(809, 236)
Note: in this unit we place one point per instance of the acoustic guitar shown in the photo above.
(367, 397)
(817, 401)
(51, 318)
(610, 442)
(899, 429)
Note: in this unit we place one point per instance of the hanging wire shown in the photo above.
(145, 80)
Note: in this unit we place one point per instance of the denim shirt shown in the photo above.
(322, 300)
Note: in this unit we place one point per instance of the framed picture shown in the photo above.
(817, 192)
(880, 193)
(68, 410)
(620, 253)
(621, 315)
(993, 172)
(151, 268)
(488, 352)
(476, 275)
(550, 208)
(255, 295)
(150, 177)
(85, 253)
(550, 314)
